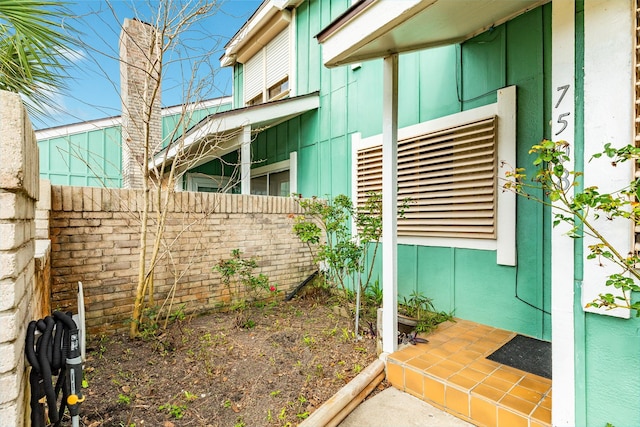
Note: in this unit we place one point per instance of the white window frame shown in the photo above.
(505, 110)
(290, 165)
(195, 181)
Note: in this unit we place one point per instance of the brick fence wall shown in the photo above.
(19, 302)
(95, 239)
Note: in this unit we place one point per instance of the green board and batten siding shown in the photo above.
(434, 83)
(93, 157)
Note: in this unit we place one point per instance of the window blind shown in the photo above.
(277, 58)
(253, 76)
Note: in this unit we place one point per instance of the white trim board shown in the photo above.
(608, 118)
(562, 265)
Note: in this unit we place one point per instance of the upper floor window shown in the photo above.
(266, 73)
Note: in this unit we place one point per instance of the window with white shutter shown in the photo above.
(254, 77)
(449, 176)
(266, 73)
(448, 170)
(277, 58)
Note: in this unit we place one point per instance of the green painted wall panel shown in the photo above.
(77, 157)
(312, 46)
(325, 169)
(272, 147)
(483, 64)
(338, 117)
(436, 276)
(59, 155)
(91, 158)
(293, 138)
(308, 167)
(525, 53)
(407, 270)
(612, 370)
(282, 142)
(274, 144)
(438, 82)
(174, 125)
(324, 114)
(309, 128)
(337, 8)
(238, 85)
(409, 108)
(259, 147)
(339, 77)
(547, 220)
(484, 293)
(78, 181)
(369, 120)
(353, 106)
(94, 157)
(225, 166)
(302, 48)
(340, 173)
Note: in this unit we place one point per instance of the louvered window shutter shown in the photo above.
(254, 76)
(369, 173)
(277, 58)
(449, 177)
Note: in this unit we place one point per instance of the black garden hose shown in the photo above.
(72, 391)
(300, 286)
(56, 352)
(57, 357)
(45, 365)
(35, 378)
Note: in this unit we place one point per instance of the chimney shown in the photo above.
(140, 57)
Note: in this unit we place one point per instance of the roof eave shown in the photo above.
(256, 23)
(375, 29)
(229, 122)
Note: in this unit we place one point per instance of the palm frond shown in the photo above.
(34, 40)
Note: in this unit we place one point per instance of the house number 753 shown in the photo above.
(560, 119)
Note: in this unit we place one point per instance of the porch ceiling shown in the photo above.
(224, 129)
(377, 28)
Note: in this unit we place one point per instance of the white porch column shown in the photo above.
(562, 266)
(245, 161)
(390, 204)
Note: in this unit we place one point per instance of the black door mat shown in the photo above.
(527, 354)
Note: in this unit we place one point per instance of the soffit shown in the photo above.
(376, 29)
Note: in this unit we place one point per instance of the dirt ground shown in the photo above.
(263, 366)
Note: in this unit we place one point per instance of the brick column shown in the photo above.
(18, 194)
(141, 102)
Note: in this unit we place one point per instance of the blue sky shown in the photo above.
(94, 82)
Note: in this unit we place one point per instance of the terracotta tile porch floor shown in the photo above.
(451, 373)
